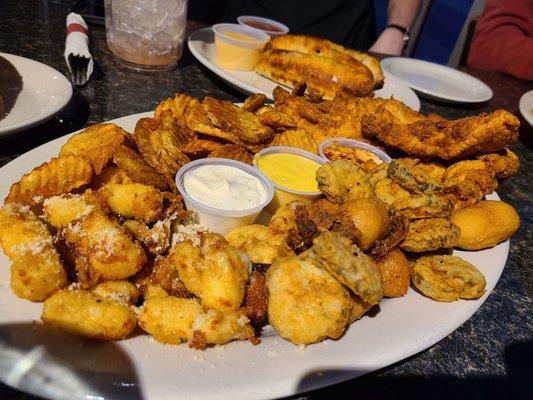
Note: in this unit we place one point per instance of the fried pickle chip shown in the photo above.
(413, 178)
(136, 168)
(254, 102)
(388, 191)
(233, 152)
(296, 138)
(159, 144)
(430, 234)
(96, 144)
(423, 206)
(342, 180)
(447, 278)
(349, 265)
(225, 120)
(260, 243)
(305, 303)
(59, 175)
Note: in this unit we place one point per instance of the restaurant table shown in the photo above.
(489, 356)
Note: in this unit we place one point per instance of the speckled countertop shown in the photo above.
(490, 356)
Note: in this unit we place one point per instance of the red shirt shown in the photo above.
(503, 38)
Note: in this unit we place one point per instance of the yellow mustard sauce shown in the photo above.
(290, 171)
(234, 56)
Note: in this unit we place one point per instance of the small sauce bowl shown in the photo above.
(363, 151)
(238, 47)
(283, 194)
(269, 26)
(219, 220)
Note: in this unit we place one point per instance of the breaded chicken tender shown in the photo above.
(447, 278)
(430, 234)
(342, 180)
(305, 303)
(259, 242)
(349, 265)
(104, 244)
(87, 314)
(133, 200)
(214, 271)
(36, 269)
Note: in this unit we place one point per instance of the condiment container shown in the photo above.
(218, 220)
(283, 194)
(269, 26)
(238, 47)
(377, 154)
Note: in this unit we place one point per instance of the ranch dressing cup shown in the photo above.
(208, 193)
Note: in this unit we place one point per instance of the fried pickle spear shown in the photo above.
(440, 138)
(36, 269)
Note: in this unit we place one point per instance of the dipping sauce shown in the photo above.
(224, 187)
(264, 26)
(269, 26)
(238, 47)
(290, 171)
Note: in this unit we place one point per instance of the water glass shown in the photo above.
(146, 34)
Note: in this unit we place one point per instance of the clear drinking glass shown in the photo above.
(146, 34)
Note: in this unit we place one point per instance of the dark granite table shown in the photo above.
(490, 356)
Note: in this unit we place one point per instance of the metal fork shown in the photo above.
(79, 66)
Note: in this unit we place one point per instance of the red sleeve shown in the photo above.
(503, 38)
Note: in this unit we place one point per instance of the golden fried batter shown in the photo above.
(447, 278)
(412, 178)
(430, 234)
(305, 303)
(341, 181)
(503, 164)
(259, 242)
(396, 274)
(423, 206)
(299, 138)
(233, 152)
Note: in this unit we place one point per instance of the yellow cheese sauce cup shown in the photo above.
(291, 171)
(238, 47)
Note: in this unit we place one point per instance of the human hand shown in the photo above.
(389, 42)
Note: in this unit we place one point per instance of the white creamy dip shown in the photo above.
(224, 187)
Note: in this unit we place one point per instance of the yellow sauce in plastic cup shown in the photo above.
(238, 47)
(292, 172)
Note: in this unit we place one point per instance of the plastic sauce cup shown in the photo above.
(269, 26)
(238, 47)
(217, 220)
(346, 142)
(282, 194)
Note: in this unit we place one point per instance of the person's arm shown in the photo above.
(502, 40)
(400, 12)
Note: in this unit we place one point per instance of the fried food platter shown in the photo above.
(142, 368)
(201, 44)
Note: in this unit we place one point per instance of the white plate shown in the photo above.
(435, 81)
(202, 46)
(60, 366)
(44, 93)
(526, 106)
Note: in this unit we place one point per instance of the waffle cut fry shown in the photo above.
(232, 151)
(296, 138)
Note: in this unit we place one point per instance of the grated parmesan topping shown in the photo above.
(190, 232)
(32, 247)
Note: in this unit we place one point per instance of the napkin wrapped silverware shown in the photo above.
(79, 59)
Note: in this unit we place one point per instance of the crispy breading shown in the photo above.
(96, 144)
(59, 211)
(447, 140)
(313, 45)
(109, 174)
(133, 200)
(233, 152)
(259, 242)
(423, 206)
(155, 239)
(59, 175)
(325, 75)
(348, 264)
(503, 164)
(199, 148)
(137, 169)
(225, 120)
(36, 269)
(298, 137)
(413, 178)
(255, 303)
(398, 227)
(447, 278)
(121, 291)
(276, 119)
(305, 303)
(395, 271)
(341, 181)
(430, 234)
